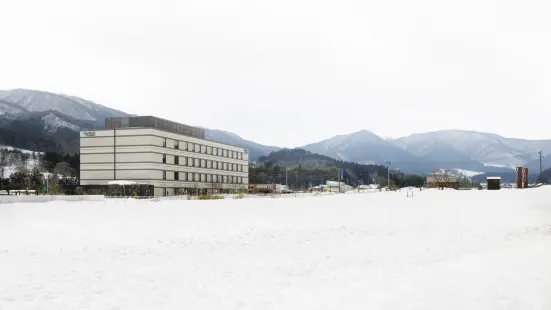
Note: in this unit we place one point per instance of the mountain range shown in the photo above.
(44, 121)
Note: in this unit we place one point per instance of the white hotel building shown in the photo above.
(170, 156)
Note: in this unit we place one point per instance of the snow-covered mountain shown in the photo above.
(422, 153)
(488, 149)
(364, 147)
(20, 101)
(45, 121)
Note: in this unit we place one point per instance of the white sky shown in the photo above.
(291, 72)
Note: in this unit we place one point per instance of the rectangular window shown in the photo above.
(209, 150)
(197, 178)
(203, 149)
(203, 177)
(209, 163)
(164, 142)
(164, 158)
(203, 163)
(214, 151)
(196, 162)
(186, 146)
(164, 175)
(209, 178)
(176, 176)
(176, 144)
(189, 177)
(176, 160)
(197, 148)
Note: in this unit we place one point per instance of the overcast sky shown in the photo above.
(291, 72)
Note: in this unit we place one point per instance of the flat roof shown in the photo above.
(154, 122)
(493, 178)
(160, 129)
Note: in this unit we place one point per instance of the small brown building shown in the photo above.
(442, 181)
(262, 188)
(494, 183)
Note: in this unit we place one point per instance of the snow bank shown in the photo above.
(437, 250)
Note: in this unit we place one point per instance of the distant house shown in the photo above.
(334, 186)
(442, 181)
(494, 183)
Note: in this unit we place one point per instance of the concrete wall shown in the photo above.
(46, 198)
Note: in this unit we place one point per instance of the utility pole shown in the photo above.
(540, 162)
(339, 179)
(388, 173)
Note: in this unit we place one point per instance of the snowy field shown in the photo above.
(437, 250)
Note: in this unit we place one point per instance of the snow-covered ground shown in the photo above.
(437, 250)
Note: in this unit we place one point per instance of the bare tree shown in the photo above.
(215, 186)
(442, 177)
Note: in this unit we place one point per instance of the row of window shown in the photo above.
(204, 149)
(203, 177)
(204, 163)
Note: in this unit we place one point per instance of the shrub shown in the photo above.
(239, 196)
(210, 197)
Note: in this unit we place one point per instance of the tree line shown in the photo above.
(301, 178)
(25, 170)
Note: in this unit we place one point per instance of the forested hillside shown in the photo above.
(300, 169)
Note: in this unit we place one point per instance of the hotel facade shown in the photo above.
(174, 158)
